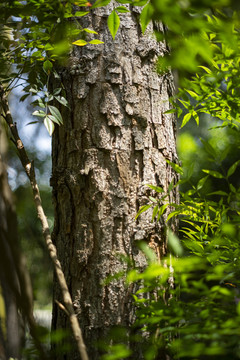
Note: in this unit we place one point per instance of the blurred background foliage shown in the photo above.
(200, 148)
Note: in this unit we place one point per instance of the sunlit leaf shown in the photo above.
(49, 125)
(90, 31)
(142, 209)
(186, 119)
(80, 42)
(40, 113)
(213, 173)
(81, 13)
(121, 9)
(175, 167)
(100, 3)
(162, 210)
(206, 69)
(113, 23)
(61, 100)
(56, 113)
(96, 42)
(146, 16)
(201, 182)
(155, 188)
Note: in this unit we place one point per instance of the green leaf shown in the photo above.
(175, 167)
(113, 23)
(80, 42)
(194, 246)
(174, 244)
(96, 42)
(232, 188)
(54, 119)
(49, 125)
(142, 209)
(48, 47)
(32, 122)
(39, 102)
(213, 173)
(40, 113)
(219, 192)
(139, 2)
(171, 111)
(172, 214)
(192, 93)
(171, 185)
(149, 253)
(57, 91)
(146, 16)
(206, 69)
(33, 90)
(233, 168)
(195, 116)
(121, 9)
(47, 66)
(156, 188)
(238, 308)
(161, 210)
(100, 3)
(153, 199)
(56, 113)
(81, 13)
(89, 31)
(61, 100)
(210, 150)
(186, 119)
(201, 182)
(24, 97)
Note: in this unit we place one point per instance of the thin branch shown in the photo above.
(62, 307)
(29, 169)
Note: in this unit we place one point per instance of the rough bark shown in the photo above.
(115, 140)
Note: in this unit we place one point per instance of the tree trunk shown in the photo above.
(115, 140)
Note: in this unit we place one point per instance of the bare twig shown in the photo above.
(29, 169)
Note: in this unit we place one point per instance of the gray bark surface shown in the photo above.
(115, 140)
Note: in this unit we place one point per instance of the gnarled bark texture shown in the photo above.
(114, 141)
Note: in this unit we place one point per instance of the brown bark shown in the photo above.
(114, 141)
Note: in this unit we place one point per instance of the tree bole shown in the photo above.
(115, 140)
